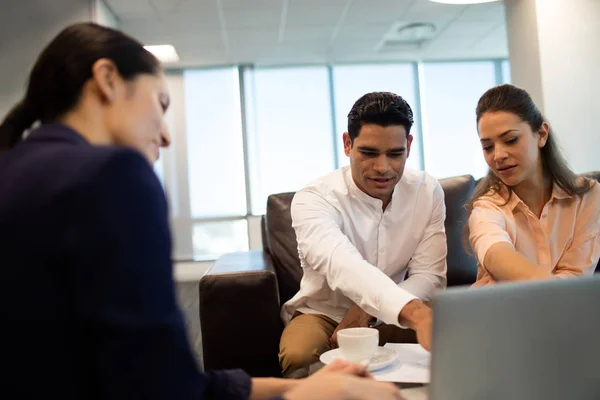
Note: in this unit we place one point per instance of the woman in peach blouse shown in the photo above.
(531, 217)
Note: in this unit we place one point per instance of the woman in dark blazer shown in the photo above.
(88, 307)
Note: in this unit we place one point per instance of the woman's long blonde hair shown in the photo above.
(509, 98)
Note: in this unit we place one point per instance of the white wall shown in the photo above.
(569, 32)
(554, 54)
(25, 28)
(523, 44)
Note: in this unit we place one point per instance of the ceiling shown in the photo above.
(279, 32)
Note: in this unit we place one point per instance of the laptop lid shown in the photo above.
(527, 340)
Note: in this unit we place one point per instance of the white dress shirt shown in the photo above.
(353, 252)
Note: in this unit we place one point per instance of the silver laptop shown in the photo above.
(530, 341)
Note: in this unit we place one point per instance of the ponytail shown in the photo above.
(68, 60)
(18, 120)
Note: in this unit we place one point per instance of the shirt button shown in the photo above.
(382, 251)
(544, 215)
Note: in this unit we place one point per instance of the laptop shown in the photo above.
(527, 340)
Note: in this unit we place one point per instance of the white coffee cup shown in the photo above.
(358, 344)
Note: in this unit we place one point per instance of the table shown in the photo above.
(415, 393)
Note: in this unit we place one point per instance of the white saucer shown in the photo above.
(384, 356)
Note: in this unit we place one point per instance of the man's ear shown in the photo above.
(409, 140)
(105, 77)
(347, 144)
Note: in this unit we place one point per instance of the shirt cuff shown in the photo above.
(391, 305)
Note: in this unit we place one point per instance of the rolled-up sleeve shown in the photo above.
(427, 267)
(329, 252)
(487, 226)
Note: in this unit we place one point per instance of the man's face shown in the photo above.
(377, 158)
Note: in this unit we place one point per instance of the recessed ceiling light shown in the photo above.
(164, 52)
(463, 1)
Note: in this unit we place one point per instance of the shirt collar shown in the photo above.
(56, 132)
(356, 192)
(557, 193)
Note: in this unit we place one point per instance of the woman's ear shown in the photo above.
(105, 77)
(542, 134)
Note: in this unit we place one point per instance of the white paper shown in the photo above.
(411, 366)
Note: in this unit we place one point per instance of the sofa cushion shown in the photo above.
(462, 268)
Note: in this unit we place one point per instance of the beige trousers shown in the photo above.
(307, 336)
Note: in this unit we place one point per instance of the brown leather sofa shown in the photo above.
(241, 295)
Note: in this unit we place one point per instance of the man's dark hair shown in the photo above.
(380, 108)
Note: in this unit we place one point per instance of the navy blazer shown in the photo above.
(88, 305)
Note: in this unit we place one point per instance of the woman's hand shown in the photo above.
(486, 280)
(348, 368)
(343, 381)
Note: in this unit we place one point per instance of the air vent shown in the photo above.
(404, 36)
(392, 46)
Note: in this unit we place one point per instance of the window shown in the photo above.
(289, 125)
(352, 81)
(215, 193)
(236, 141)
(159, 170)
(212, 239)
(215, 151)
(506, 77)
(450, 93)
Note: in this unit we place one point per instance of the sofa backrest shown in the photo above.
(462, 268)
(279, 238)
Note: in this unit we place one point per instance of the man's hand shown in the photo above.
(418, 317)
(354, 318)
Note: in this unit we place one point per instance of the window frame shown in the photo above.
(174, 161)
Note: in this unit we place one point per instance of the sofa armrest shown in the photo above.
(239, 314)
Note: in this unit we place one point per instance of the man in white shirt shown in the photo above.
(361, 231)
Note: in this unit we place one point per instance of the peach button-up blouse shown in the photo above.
(563, 241)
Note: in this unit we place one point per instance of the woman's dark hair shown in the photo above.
(380, 108)
(64, 66)
(509, 98)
